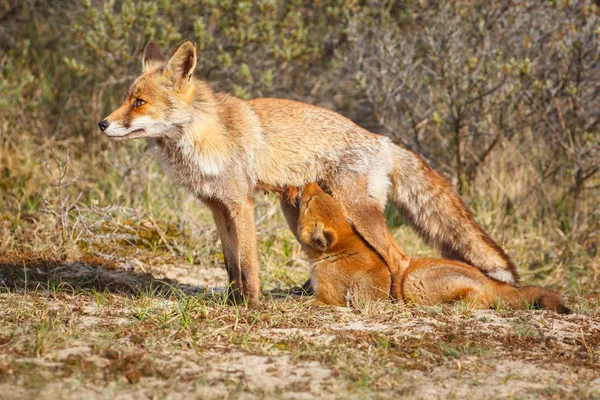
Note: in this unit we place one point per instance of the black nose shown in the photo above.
(103, 125)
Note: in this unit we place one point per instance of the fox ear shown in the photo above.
(181, 66)
(153, 58)
(322, 238)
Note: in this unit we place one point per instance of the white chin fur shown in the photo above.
(502, 276)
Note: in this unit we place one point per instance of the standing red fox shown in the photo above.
(223, 148)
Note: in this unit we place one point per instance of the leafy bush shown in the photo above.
(457, 81)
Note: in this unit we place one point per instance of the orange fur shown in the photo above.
(346, 268)
(223, 148)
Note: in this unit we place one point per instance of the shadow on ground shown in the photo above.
(51, 274)
(96, 274)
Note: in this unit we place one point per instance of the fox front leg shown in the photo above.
(236, 229)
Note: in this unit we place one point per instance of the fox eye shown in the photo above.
(138, 103)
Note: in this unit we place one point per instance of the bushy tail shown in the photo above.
(438, 214)
(531, 297)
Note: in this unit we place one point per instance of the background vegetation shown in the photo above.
(500, 96)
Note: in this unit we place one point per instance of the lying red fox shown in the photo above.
(344, 267)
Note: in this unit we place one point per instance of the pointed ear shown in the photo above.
(322, 238)
(181, 66)
(153, 58)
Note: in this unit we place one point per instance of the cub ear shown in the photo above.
(153, 58)
(181, 66)
(322, 238)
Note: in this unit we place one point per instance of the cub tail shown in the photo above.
(434, 281)
(532, 297)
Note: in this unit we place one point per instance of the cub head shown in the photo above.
(321, 223)
(160, 99)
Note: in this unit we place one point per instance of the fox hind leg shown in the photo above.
(366, 216)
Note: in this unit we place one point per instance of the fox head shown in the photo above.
(160, 100)
(321, 223)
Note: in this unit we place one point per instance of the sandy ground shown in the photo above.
(56, 342)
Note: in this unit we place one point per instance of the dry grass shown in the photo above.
(100, 300)
(73, 342)
(150, 321)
